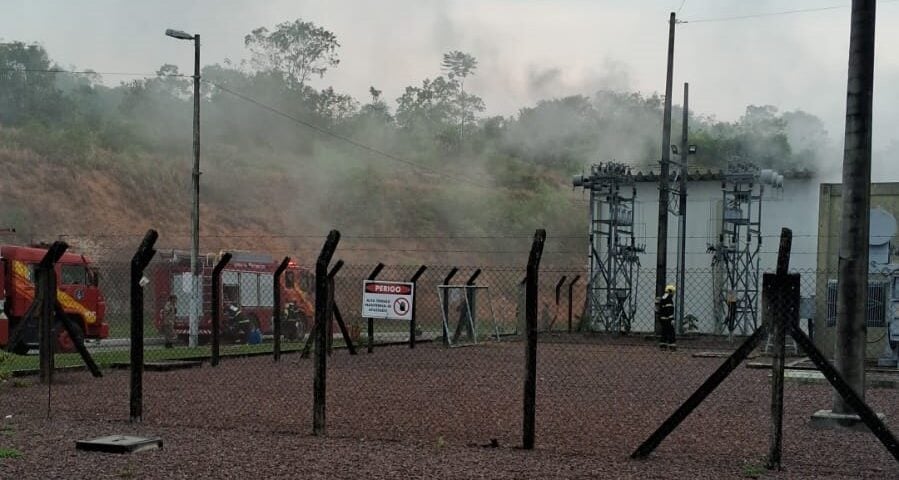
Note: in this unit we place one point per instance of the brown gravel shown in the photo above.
(428, 413)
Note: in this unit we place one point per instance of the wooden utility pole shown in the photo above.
(852, 288)
(662, 240)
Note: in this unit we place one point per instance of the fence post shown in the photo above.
(777, 298)
(371, 322)
(217, 306)
(530, 378)
(555, 316)
(469, 300)
(276, 307)
(139, 262)
(324, 299)
(571, 298)
(445, 306)
(338, 317)
(412, 327)
(46, 288)
(335, 312)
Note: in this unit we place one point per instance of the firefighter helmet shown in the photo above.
(669, 288)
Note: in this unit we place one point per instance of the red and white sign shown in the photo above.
(388, 300)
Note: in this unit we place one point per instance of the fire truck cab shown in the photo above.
(78, 293)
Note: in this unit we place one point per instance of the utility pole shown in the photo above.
(196, 296)
(662, 240)
(682, 214)
(197, 311)
(852, 288)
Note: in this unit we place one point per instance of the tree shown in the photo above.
(332, 106)
(27, 91)
(459, 65)
(297, 50)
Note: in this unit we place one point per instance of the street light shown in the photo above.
(196, 304)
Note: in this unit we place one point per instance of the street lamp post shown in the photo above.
(196, 302)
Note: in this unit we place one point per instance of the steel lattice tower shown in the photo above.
(613, 254)
(737, 252)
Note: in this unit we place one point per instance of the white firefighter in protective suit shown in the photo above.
(665, 305)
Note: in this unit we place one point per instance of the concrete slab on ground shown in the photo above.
(831, 420)
(119, 444)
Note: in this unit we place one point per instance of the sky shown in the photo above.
(527, 49)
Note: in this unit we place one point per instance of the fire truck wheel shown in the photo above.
(64, 342)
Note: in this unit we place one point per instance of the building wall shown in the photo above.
(884, 195)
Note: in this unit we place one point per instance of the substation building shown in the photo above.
(733, 225)
(759, 213)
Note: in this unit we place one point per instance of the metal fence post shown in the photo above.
(470, 300)
(412, 326)
(324, 299)
(139, 263)
(571, 298)
(781, 301)
(445, 305)
(530, 378)
(45, 301)
(217, 306)
(276, 307)
(371, 322)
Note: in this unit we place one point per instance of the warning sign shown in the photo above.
(389, 300)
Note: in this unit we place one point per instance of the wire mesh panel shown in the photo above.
(600, 391)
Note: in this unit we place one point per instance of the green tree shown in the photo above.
(297, 50)
(459, 65)
(27, 91)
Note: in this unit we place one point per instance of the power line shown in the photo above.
(773, 14)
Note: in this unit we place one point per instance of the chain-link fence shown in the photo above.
(603, 382)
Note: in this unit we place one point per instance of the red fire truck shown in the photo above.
(247, 283)
(78, 293)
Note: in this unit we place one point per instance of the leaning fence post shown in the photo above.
(371, 322)
(778, 296)
(276, 307)
(139, 262)
(571, 297)
(418, 273)
(217, 306)
(530, 378)
(335, 312)
(324, 299)
(470, 302)
(46, 287)
(445, 305)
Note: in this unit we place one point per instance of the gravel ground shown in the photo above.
(432, 413)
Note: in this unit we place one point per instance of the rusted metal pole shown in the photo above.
(371, 322)
(139, 263)
(571, 298)
(530, 362)
(324, 299)
(276, 307)
(776, 292)
(217, 307)
(412, 326)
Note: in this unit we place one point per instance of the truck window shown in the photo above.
(266, 294)
(73, 275)
(249, 289)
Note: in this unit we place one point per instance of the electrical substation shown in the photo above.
(614, 262)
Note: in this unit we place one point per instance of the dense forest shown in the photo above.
(281, 157)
